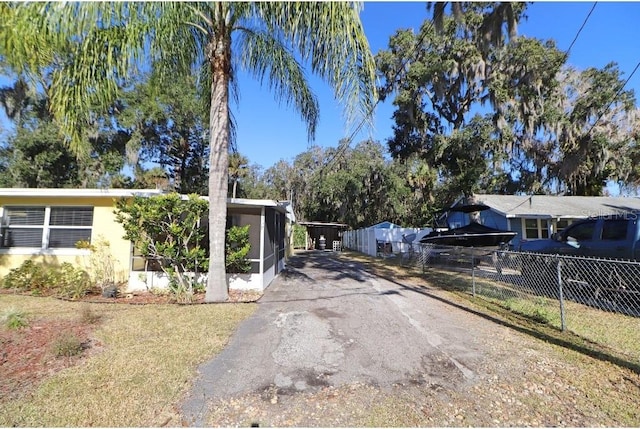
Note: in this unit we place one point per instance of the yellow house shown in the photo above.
(44, 225)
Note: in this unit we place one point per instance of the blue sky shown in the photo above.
(268, 132)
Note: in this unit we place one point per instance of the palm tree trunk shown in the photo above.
(235, 186)
(220, 60)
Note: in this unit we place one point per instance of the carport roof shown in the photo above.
(557, 206)
(325, 224)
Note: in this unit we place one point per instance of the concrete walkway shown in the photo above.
(325, 321)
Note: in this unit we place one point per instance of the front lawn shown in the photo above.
(132, 367)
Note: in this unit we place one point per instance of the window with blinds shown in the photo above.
(46, 227)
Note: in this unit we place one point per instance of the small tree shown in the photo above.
(168, 229)
(299, 236)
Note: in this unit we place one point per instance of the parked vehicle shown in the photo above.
(602, 281)
(615, 236)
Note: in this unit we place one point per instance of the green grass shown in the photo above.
(148, 359)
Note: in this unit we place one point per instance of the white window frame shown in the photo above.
(566, 219)
(539, 228)
(44, 248)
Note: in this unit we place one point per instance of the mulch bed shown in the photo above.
(144, 297)
(27, 354)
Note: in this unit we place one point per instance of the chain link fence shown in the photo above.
(597, 299)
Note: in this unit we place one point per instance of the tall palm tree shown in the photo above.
(92, 47)
(238, 168)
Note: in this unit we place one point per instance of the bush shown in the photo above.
(299, 237)
(14, 319)
(167, 229)
(67, 345)
(64, 281)
(101, 262)
(28, 277)
(72, 282)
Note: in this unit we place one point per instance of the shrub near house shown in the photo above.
(168, 229)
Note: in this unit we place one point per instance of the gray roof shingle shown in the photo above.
(557, 206)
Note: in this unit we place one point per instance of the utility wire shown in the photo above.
(613, 99)
(581, 28)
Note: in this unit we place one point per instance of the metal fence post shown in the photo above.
(563, 324)
(473, 272)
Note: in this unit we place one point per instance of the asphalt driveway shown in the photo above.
(328, 322)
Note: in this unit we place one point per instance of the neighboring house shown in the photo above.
(538, 216)
(45, 224)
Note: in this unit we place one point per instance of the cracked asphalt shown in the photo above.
(326, 321)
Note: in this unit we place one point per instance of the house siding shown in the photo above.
(516, 226)
(104, 226)
(457, 219)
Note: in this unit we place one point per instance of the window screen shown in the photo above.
(67, 238)
(544, 228)
(562, 224)
(23, 226)
(531, 228)
(22, 237)
(42, 227)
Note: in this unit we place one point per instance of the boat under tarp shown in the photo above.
(472, 235)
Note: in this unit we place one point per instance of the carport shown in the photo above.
(332, 232)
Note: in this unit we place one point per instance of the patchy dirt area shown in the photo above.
(27, 354)
(144, 297)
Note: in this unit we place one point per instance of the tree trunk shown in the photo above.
(474, 216)
(220, 60)
(235, 186)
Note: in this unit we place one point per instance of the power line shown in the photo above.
(613, 99)
(580, 29)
